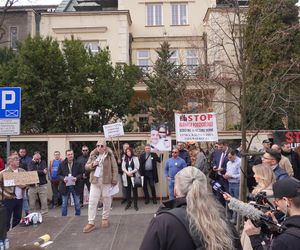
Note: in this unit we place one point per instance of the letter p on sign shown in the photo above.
(8, 97)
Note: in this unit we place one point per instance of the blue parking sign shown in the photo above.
(10, 103)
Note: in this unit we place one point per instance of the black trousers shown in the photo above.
(148, 179)
(85, 181)
(14, 211)
(134, 191)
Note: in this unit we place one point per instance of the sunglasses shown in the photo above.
(100, 146)
(174, 152)
(85, 150)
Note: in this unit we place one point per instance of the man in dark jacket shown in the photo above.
(287, 151)
(70, 175)
(148, 169)
(287, 199)
(82, 160)
(184, 154)
(38, 190)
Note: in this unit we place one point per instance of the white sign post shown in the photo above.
(196, 127)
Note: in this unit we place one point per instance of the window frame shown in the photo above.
(178, 15)
(13, 42)
(154, 18)
(144, 67)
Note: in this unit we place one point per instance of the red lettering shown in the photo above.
(190, 117)
(210, 116)
(202, 117)
(289, 137)
(297, 134)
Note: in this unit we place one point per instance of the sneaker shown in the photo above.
(88, 228)
(104, 223)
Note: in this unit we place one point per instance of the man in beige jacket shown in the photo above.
(104, 173)
(284, 162)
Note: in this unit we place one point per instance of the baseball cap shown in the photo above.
(266, 141)
(288, 187)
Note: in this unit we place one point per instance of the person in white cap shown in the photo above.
(104, 174)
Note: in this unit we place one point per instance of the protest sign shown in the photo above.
(196, 127)
(20, 178)
(113, 130)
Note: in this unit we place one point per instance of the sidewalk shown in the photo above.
(126, 230)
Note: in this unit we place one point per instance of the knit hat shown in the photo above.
(288, 187)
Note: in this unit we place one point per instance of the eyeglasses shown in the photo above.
(85, 150)
(174, 152)
(100, 146)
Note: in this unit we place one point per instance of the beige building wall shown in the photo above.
(109, 28)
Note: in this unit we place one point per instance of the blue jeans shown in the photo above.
(171, 189)
(234, 189)
(64, 206)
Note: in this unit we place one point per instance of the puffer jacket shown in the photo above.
(110, 168)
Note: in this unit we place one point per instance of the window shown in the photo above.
(175, 57)
(154, 14)
(191, 60)
(13, 37)
(93, 47)
(179, 14)
(143, 59)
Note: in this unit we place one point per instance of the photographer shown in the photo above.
(287, 199)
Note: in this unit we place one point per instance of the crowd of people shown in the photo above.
(200, 183)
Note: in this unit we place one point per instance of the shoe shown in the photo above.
(104, 223)
(154, 201)
(88, 228)
(123, 201)
(146, 201)
(136, 208)
(127, 206)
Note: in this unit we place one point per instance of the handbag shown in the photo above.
(138, 181)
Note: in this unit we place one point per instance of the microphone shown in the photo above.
(255, 215)
(245, 209)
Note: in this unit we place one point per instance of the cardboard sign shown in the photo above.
(196, 127)
(113, 130)
(20, 178)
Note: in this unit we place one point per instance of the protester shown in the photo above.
(284, 163)
(266, 146)
(197, 156)
(70, 175)
(272, 158)
(12, 196)
(39, 190)
(294, 158)
(103, 170)
(172, 166)
(183, 153)
(148, 169)
(120, 171)
(82, 160)
(287, 198)
(130, 167)
(194, 220)
(54, 178)
(25, 160)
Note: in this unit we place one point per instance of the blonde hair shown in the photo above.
(203, 211)
(266, 177)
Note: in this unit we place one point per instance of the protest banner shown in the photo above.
(20, 178)
(196, 127)
(290, 136)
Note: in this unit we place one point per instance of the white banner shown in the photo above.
(113, 130)
(196, 127)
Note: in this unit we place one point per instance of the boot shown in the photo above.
(128, 205)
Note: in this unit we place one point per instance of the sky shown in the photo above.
(45, 2)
